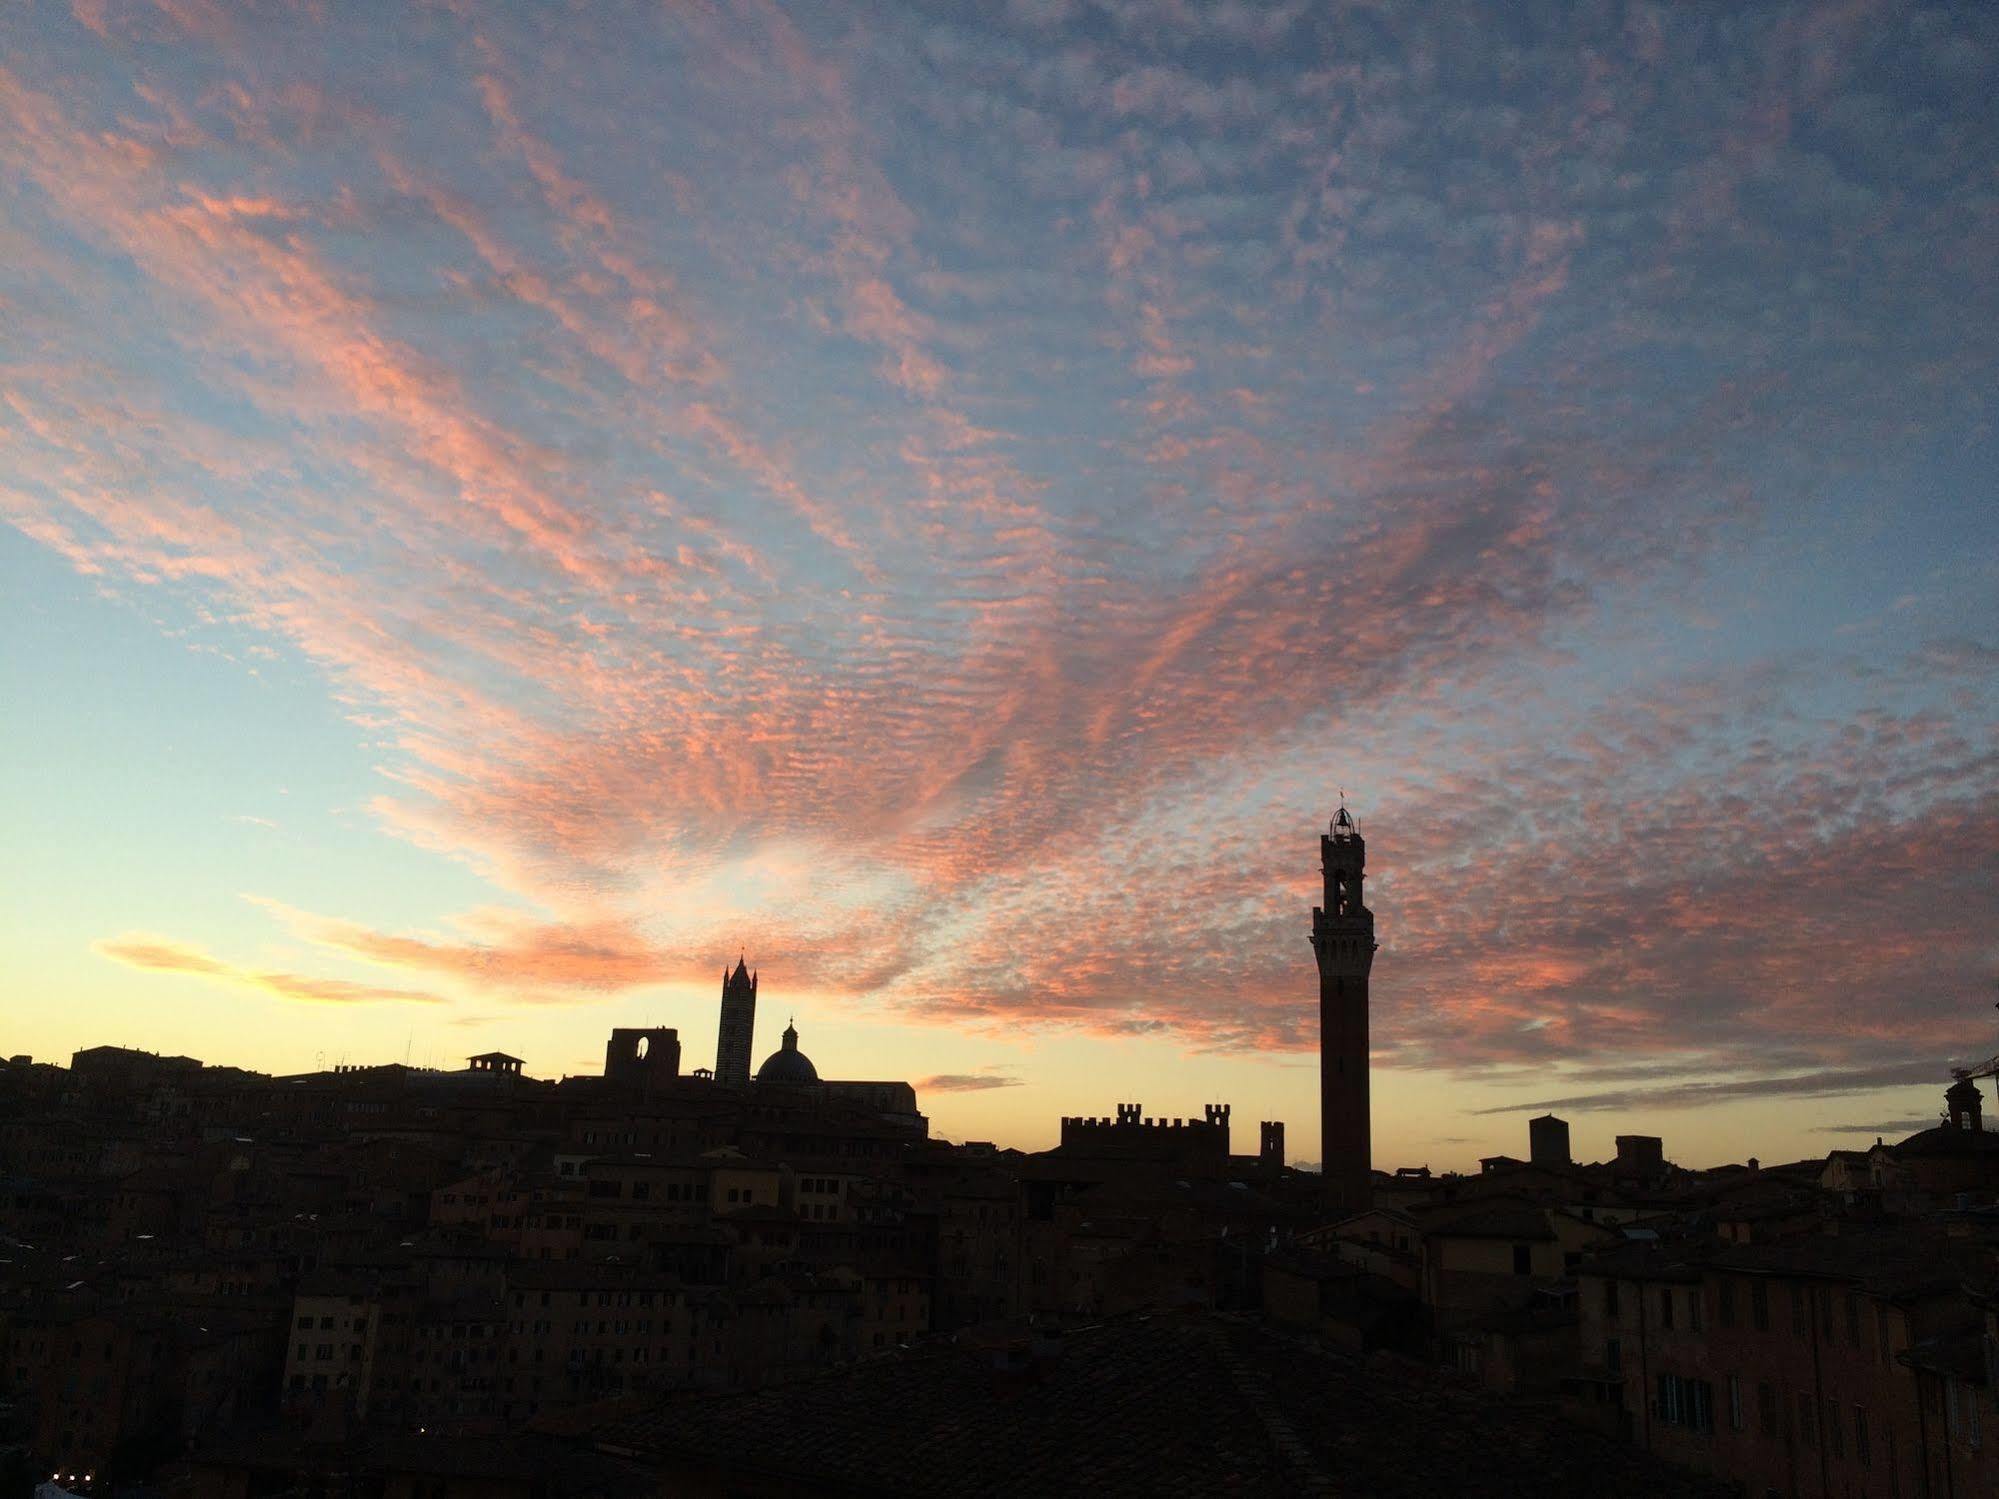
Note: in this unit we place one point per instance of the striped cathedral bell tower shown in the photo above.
(737, 1031)
(1343, 942)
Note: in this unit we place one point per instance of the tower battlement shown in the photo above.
(1270, 1142)
(1132, 1133)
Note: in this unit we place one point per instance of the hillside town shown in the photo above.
(248, 1284)
(403, 1280)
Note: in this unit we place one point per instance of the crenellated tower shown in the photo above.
(1343, 942)
(735, 1037)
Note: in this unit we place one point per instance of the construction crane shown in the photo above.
(1987, 1068)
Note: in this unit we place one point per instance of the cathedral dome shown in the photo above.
(788, 1064)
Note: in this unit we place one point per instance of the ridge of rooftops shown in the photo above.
(1893, 1261)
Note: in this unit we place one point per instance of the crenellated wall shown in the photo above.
(1131, 1133)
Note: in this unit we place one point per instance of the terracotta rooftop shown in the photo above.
(1648, 1262)
(1490, 1220)
(1170, 1403)
(1947, 1140)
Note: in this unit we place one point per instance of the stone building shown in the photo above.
(1343, 943)
(1829, 1365)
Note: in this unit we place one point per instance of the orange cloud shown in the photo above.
(164, 955)
(608, 955)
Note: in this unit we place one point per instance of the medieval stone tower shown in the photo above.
(1343, 942)
(738, 1028)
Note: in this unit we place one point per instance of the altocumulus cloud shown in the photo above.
(1227, 408)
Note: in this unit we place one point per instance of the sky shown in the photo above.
(509, 507)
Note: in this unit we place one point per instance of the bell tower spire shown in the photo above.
(1343, 942)
(735, 1036)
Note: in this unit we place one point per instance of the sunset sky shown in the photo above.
(509, 506)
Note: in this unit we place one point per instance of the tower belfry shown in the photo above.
(737, 1031)
(1343, 942)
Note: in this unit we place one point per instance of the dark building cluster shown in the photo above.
(231, 1283)
(1808, 1329)
(401, 1281)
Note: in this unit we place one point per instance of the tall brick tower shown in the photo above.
(737, 1031)
(1343, 942)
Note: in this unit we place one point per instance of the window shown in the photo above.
(1961, 1413)
(1734, 1402)
(1665, 1306)
(1610, 1298)
(1686, 1402)
(1766, 1407)
(1724, 1301)
(1808, 1427)
(1694, 1308)
(1861, 1452)
(1759, 1305)
(1613, 1355)
(1853, 1319)
(1800, 1312)
(1835, 1434)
